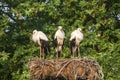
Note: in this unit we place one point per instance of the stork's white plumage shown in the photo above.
(38, 35)
(59, 33)
(59, 37)
(41, 39)
(75, 38)
(77, 34)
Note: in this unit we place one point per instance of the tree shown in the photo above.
(100, 21)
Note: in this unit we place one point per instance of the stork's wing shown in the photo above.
(42, 36)
(73, 35)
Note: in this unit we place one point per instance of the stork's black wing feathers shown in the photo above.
(46, 45)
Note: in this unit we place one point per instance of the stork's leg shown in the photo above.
(40, 52)
(78, 52)
(57, 52)
(74, 51)
(43, 54)
(61, 52)
(40, 47)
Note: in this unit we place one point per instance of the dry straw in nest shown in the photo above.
(65, 69)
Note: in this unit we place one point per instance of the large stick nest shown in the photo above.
(65, 69)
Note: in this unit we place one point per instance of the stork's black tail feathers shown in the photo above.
(72, 44)
(46, 45)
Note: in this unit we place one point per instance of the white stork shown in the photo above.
(41, 39)
(75, 39)
(59, 38)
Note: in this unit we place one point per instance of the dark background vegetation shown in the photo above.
(99, 19)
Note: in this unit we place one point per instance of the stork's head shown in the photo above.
(34, 31)
(60, 27)
(79, 29)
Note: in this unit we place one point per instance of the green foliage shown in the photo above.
(100, 21)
